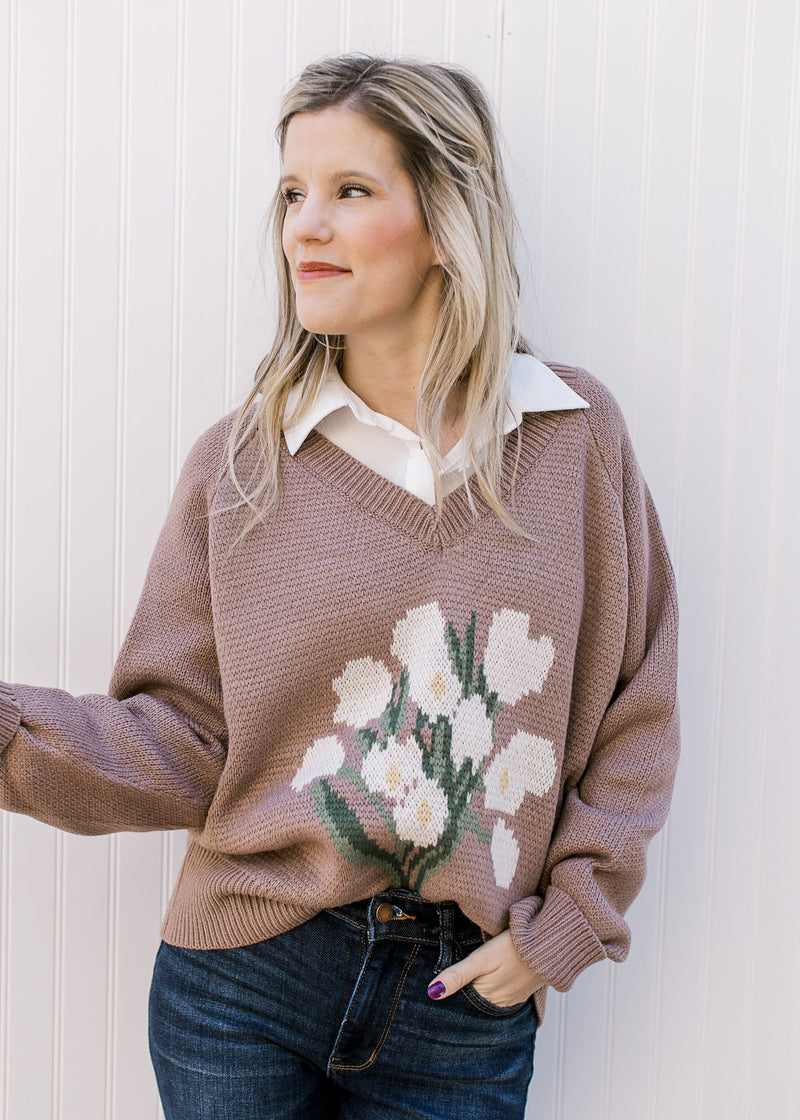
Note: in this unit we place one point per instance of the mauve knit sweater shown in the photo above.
(358, 694)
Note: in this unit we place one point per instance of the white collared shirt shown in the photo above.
(394, 451)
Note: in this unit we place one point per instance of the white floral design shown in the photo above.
(515, 665)
(392, 770)
(364, 689)
(473, 736)
(323, 757)
(420, 643)
(431, 769)
(526, 765)
(422, 815)
(505, 853)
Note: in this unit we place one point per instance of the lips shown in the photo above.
(312, 270)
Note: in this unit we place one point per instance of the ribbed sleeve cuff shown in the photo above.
(9, 715)
(554, 938)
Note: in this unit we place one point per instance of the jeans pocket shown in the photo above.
(489, 1008)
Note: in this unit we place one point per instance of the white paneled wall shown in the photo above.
(653, 147)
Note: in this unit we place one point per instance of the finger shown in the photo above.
(454, 978)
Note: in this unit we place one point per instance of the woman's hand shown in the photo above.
(496, 970)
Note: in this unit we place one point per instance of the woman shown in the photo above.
(404, 662)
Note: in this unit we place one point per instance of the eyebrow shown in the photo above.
(336, 175)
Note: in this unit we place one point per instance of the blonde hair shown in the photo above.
(442, 124)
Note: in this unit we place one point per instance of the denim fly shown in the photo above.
(332, 1019)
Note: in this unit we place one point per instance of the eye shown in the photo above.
(290, 195)
(353, 190)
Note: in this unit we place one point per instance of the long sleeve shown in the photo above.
(149, 754)
(596, 861)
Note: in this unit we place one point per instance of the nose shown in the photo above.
(310, 221)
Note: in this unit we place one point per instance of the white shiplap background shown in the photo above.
(653, 146)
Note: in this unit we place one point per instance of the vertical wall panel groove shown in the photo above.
(499, 56)
(789, 280)
(778, 513)
(397, 26)
(548, 130)
(231, 279)
(645, 210)
(560, 1072)
(661, 868)
(291, 39)
(5, 961)
(12, 280)
(344, 30)
(723, 604)
(178, 245)
(112, 967)
(608, 1046)
(449, 30)
(597, 148)
(604, 1090)
(689, 284)
(9, 433)
(112, 915)
(67, 370)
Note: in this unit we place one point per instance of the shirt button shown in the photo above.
(385, 912)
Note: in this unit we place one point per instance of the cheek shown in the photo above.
(286, 240)
(398, 245)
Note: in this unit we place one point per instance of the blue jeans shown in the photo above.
(332, 1019)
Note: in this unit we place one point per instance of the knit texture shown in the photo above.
(362, 693)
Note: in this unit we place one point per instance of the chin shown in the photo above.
(321, 326)
(320, 323)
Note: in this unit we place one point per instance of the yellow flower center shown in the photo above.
(393, 775)
(438, 685)
(504, 781)
(424, 814)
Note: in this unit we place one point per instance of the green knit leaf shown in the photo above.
(345, 829)
(468, 649)
(469, 822)
(454, 650)
(394, 714)
(366, 738)
(437, 761)
(490, 699)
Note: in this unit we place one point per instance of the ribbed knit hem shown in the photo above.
(554, 938)
(10, 714)
(211, 908)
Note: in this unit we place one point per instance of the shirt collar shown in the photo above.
(532, 387)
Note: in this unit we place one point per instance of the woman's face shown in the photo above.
(361, 260)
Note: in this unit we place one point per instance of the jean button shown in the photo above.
(385, 912)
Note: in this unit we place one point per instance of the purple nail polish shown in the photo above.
(436, 989)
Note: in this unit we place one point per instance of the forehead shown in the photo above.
(334, 133)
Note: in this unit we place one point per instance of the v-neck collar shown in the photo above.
(409, 514)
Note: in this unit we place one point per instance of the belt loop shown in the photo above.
(445, 912)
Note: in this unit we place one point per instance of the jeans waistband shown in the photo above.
(399, 914)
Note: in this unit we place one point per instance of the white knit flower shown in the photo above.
(420, 643)
(514, 664)
(526, 765)
(505, 854)
(323, 757)
(422, 815)
(364, 689)
(472, 731)
(393, 769)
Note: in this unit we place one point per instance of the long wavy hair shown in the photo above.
(442, 124)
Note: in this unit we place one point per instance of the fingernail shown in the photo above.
(436, 989)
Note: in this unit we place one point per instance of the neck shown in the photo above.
(387, 380)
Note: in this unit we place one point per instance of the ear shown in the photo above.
(440, 258)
